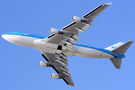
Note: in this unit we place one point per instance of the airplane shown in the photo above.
(62, 43)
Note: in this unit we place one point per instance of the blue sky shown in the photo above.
(19, 68)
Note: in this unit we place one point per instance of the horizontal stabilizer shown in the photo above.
(116, 62)
(123, 48)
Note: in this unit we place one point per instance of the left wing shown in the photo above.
(79, 25)
(58, 62)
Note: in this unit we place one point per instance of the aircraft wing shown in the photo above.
(69, 39)
(95, 12)
(59, 62)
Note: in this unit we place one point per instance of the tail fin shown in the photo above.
(112, 47)
(121, 49)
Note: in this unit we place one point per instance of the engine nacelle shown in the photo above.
(55, 31)
(43, 64)
(55, 76)
(78, 19)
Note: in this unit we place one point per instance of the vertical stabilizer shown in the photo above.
(112, 47)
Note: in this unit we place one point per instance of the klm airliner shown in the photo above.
(62, 43)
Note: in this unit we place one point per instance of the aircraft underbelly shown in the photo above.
(47, 47)
(27, 41)
(92, 53)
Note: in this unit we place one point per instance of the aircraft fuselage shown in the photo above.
(38, 42)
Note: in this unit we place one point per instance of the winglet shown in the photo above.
(109, 3)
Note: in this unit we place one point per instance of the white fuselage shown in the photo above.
(42, 46)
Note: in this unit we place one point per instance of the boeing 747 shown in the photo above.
(62, 43)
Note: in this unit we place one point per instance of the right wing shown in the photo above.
(59, 63)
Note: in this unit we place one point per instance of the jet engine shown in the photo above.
(43, 64)
(78, 19)
(55, 76)
(55, 31)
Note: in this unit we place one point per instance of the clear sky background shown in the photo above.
(19, 68)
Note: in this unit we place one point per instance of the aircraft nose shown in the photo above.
(13, 37)
(9, 38)
(6, 37)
